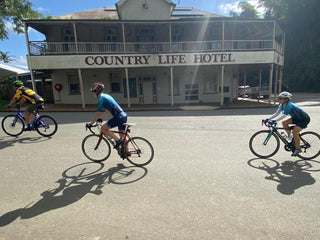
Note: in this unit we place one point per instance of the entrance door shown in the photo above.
(148, 90)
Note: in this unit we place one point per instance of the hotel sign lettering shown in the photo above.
(154, 60)
(158, 60)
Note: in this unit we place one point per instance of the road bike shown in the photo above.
(266, 143)
(14, 124)
(137, 150)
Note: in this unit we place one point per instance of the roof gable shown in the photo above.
(145, 9)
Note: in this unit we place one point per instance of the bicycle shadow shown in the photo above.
(73, 186)
(289, 175)
(6, 142)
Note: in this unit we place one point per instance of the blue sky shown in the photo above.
(16, 45)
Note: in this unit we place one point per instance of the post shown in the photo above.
(128, 87)
(81, 88)
(270, 83)
(171, 84)
(259, 90)
(29, 59)
(222, 83)
(276, 85)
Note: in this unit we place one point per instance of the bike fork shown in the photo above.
(99, 141)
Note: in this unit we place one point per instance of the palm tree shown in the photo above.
(5, 57)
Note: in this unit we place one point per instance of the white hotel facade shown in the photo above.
(152, 52)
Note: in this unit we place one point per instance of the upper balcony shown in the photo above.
(38, 48)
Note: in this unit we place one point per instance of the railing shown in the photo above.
(61, 48)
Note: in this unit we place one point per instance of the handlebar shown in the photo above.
(269, 123)
(95, 125)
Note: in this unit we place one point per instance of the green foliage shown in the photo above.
(14, 11)
(299, 20)
(248, 11)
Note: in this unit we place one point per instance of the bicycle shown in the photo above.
(266, 143)
(14, 124)
(137, 150)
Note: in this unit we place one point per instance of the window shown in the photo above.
(73, 81)
(111, 35)
(210, 84)
(68, 36)
(191, 91)
(176, 86)
(132, 88)
(115, 82)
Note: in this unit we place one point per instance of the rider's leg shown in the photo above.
(285, 124)
(105, 129)
(296, 136)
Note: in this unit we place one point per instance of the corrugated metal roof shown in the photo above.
(8, 70)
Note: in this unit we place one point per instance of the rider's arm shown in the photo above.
(96, 117)
(282, 117)
(279, 110)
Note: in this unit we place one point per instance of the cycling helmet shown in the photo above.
(17, 83)
(97, 87)
(285, 95)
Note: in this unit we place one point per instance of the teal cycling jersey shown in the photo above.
(296, 113)
(106, 102)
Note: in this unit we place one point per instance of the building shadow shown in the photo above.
(288, 175)
(76, 182)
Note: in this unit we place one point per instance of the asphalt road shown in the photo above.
(203, 183)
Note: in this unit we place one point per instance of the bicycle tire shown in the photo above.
(89, 144)
(312, 151)
(11, 127)
(258, 148)
(46, 126)
(140, 151)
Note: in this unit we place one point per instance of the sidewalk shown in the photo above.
(240, 103)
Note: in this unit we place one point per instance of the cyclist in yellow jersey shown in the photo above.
(25, 95)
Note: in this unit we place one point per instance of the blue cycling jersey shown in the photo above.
(106, 102)
(296, 113)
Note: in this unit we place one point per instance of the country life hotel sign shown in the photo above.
(152, 60)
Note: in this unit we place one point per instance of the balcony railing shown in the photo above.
(61, 48)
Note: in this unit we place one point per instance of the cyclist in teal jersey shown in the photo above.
(297, 116)
(106, 105)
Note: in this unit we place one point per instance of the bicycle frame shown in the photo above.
(274, 129)
(126, 136)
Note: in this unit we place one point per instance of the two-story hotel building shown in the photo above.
(152, 52)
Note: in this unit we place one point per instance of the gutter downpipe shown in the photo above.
(126, 69)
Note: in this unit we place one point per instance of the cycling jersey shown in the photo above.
(298, 116)
(107, 102)
(28, 94)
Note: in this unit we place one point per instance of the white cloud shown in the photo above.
(226, 8)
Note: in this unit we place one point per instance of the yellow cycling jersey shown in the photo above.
(28, 94)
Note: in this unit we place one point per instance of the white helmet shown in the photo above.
(285, 95)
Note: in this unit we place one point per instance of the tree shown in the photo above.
(5, 57)
(14, 11)
(248, 11)
(299, 20)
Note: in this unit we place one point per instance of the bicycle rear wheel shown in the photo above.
(140, 151)
(264, 145)
(95, 149)
(46, 126)
(310, 145)
(12, 125)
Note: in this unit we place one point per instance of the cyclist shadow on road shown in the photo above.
(11, 141)
(76, 182)
(289, 175)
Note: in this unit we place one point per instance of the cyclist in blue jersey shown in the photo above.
(297, 116)
(106, 105)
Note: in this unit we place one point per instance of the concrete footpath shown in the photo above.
(240, 103)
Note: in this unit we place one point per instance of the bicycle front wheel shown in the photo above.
(96, 149)
(263, 144)
(12, 125)
(46, 126)
(139, 151)
(310, 145)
